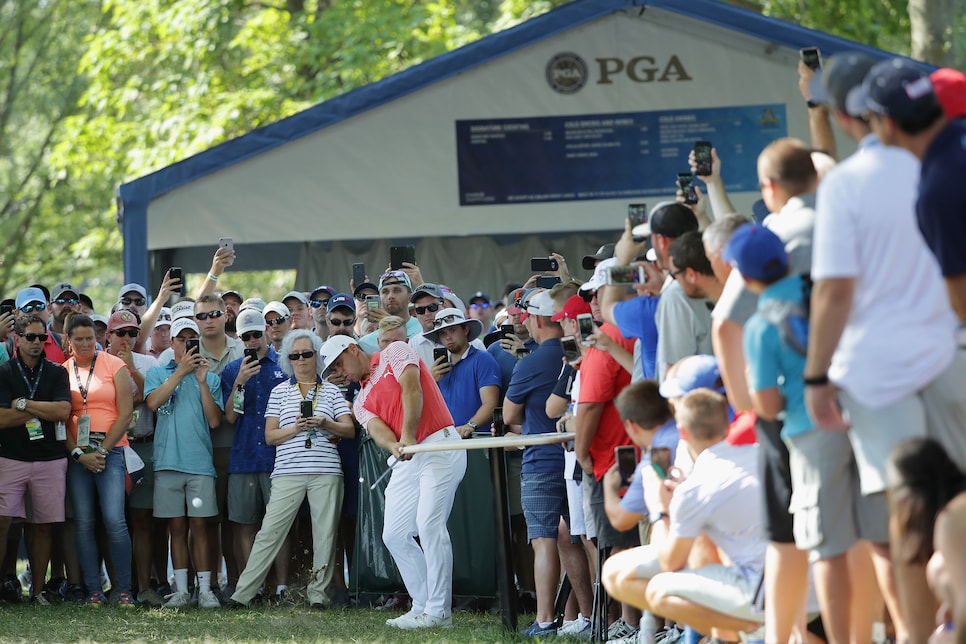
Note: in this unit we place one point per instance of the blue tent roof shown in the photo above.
(135, 197)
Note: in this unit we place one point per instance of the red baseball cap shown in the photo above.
(950, 87)
(574, 306)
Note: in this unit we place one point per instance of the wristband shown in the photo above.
(816, 381)
(213, 278)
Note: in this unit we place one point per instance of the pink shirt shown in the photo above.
(381, 394)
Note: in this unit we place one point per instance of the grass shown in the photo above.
(77, 623)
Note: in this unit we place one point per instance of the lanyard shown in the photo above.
(31, 386)
(315, 394)
(84, 389)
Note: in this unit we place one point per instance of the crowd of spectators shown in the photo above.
(768, 415)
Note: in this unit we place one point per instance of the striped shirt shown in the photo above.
(292, 457)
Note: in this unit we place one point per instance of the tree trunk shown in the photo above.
(932, 30)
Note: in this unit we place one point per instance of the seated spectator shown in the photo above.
(714, 500)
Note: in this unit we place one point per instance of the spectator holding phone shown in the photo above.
(305, 417)
(188, 401)
(395, 292)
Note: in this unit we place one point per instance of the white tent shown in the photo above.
(530, 140)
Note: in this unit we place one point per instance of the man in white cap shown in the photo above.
(161, 334)
(395, 291)
(245, 387)
(133, 297)
(400, 404)
(276, 322)
(468, 377)
(298, 310)
(187, 408)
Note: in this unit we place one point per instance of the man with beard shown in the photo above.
(64, 300)
(233, 301)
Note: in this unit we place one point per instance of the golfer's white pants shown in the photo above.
(419, 498)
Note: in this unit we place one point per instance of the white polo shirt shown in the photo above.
(900, 334)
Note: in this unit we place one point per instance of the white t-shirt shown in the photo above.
(721, 496)
(144, 424)
(293, 457)
(900, 334)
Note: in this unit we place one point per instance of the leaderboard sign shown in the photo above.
(607, 156)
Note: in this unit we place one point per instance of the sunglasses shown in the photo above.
(248, 335)
(304, 354)
(32, 337)
(316, 304)
(361, 297)
(398, 274)
(30, 308)
(214, 315)
(127, 301)
(124, 333)
(338, 322)
(279, 321)
(165, 316)
(448, 319)
(432, 308)
(480, 305)
(73, 301)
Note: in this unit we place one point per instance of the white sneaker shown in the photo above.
(621, 630)
(207, 599)
(579, 627)
(177, 599)
(403, 620)
(427, 621)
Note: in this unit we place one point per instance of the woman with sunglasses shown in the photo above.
(306, 464)
(102, 397)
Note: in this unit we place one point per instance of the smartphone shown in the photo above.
(440, 352)
(547, 281)
(661, 461)
(251, 354)
(811, 58)
(637, 215)
(626, 456)
(400, 254)
(543, 264)
(6, 308)
(506, 330)
(227, 242)
(617, 275)
(176, 273)
(305, 410)
(358, 274)
(373, 302)
(585, 326)
(570, 349)
(702, 157)
(499, 429)
(686, 183)
(192, 343)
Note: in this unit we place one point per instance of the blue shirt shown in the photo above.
(182, 438)
(635, 319)
(941, 208)
(461, 386)
(534, 379)
(249, 452)
(507, 361)
(666, 436)
(772, 362)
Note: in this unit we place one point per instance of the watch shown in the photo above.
(76, 453)
(21, 404)
(472, 424)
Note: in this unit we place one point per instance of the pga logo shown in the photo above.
(567, 72)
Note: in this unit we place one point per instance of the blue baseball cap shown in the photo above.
(28, 295)
(693, 372)
(341, 299)
(757, 253)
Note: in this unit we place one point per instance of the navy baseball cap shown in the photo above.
(843, 78)
(757, 253)
(902, 91)
(341, 299)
